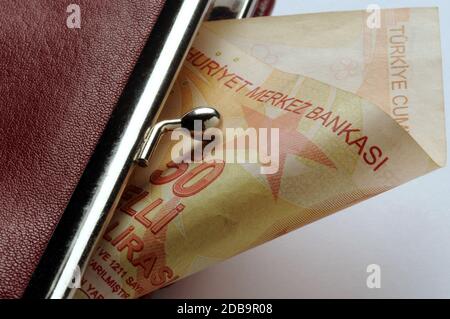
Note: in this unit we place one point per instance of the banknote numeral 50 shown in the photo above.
(188, 183)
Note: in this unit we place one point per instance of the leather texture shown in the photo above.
(58, 87)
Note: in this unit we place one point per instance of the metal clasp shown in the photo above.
(207, 116)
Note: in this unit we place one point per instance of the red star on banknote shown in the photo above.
(291, 142)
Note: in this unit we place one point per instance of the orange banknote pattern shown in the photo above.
(336, 148)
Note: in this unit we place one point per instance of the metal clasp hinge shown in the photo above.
(206, 116)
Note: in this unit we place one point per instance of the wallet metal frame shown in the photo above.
(110, 166)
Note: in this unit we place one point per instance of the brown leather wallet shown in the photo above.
(76, 100)
(58, 88)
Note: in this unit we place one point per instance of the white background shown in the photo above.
(406, 231)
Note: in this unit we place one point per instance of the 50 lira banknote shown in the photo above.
(358, 111)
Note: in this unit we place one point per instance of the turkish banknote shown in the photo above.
(358, 111)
